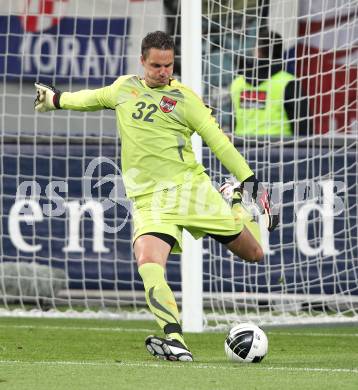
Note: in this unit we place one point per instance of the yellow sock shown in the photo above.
(177, 336)
(160, 300)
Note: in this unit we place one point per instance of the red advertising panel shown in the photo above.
(328, 63)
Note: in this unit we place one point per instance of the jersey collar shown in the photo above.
(156, 88)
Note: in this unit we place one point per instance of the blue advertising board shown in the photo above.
(104, 258)
(79, 49)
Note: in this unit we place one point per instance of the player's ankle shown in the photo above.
(177, 336)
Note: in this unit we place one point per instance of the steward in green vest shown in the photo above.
(268, 101)
(260, 109)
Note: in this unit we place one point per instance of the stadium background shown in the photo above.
(53, 148)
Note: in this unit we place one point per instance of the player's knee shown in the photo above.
(259, 254)
(145, 258)
(256, 254)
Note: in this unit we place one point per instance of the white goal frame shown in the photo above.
(192, 257)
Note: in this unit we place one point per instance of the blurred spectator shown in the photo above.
(267, 99)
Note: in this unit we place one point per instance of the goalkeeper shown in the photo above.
(156, 116)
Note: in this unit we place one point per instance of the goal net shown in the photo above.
(66, 223)
(308, 155)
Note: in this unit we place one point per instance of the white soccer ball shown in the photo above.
(246, 343)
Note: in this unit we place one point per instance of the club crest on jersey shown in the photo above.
(167, 104)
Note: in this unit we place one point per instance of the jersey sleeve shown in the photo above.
(92, 99)
(199, 119)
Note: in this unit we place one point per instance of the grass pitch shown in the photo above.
(91, 354)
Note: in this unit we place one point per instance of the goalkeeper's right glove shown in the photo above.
(47, 99)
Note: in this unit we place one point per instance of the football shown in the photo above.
(246, 343)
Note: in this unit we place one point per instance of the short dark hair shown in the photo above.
(270, 45)
(157, 40)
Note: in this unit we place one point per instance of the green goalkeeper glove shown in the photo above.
(47, 99)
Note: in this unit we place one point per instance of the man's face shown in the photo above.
(158, 67)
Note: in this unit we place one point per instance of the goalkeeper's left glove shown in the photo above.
(261, 197)
(47, 99)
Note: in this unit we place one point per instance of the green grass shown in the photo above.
(91, 354)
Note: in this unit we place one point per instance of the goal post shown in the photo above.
(192, 257)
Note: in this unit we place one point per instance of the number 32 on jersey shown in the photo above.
(144, 112)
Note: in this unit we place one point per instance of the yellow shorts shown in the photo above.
(194, 205)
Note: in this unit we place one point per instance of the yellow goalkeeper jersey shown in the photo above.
(155, 126)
